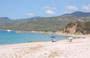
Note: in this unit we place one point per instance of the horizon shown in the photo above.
(43, 16)
(41, 8)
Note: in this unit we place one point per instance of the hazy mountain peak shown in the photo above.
(79, 14)
(4, 18)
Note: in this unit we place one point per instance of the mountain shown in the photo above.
(79, 14)
(5, 21)
(43, 23)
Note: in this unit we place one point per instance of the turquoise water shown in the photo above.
(14, 38)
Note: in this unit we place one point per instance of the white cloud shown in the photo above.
(50, 12)
(87, 8)
(30, 14)
(72, 8)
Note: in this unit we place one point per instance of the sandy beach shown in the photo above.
(79, 48)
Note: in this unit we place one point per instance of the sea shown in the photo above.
(16, 38)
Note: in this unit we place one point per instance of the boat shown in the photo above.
(8, 31)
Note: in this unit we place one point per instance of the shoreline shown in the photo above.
(59, 49)
(56, 33)
(72, 35)
(60, 33)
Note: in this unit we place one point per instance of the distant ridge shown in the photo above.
(5, 20)
(79, 14)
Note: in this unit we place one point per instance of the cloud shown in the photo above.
(30, 14)
(50, 12)
(72, 8)
(87, 8)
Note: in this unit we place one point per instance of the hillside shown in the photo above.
(79, 27)
(41, 23)
(44, 24)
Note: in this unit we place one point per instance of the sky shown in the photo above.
(17, 9)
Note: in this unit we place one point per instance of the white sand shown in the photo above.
(79, 48)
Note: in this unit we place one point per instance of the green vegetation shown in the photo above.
(82, 26)
(46, 23)
(87, 27)
(40, 24)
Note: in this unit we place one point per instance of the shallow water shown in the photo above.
(14, 38)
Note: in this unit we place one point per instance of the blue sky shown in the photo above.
(16, 9)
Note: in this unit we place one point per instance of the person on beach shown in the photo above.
(70, 39)
(53, 39)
